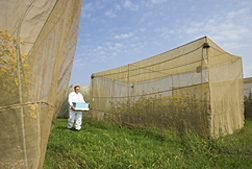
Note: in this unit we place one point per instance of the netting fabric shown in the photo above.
(248, 98)
(197, 86)
(37, 45)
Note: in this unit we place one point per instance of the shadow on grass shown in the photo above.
(62, 128)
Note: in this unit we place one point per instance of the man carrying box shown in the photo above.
(75, 97)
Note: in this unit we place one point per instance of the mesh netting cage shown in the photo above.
(37, 45)
(248, 98)
(197, 86)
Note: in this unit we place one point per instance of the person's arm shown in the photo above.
(70, 102)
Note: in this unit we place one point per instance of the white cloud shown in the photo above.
(232, 45)
(114, 47)
(99, 48)
(165, 32)
(129, 5)
(84, 13)
(107, 52)
(142, 29)
(235, 26)
(79, 62)
(101, 52)
(118, 45)
(83, 46)
(124, 36)
(117, 7)
(233, 14)
(194, 28)
(89, 8)
(230, 29)
(148, 14)
(110, 14)
(86, 10)
(158, 1)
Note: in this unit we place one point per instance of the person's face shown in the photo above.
(77, 89)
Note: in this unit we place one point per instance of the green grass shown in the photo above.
(105, 145)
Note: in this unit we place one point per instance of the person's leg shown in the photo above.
(71, 119)
(78, 120)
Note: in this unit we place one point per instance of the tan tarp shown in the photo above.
(37, 45)
(196, 86)
(64, 110)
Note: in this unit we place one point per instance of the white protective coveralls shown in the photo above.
(73, 114)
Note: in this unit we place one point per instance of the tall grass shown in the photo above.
(186, 109)
(105, 145)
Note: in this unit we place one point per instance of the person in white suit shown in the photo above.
(75, 115)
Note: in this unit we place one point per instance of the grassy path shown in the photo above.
(105, 145)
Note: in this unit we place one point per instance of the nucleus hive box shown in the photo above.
(81, 106)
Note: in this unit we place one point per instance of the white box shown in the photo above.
(81, 106)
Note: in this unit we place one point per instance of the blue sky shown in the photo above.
(114, 33)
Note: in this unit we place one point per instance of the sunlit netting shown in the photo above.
(37, 45)
(197, 86)
(248, 98)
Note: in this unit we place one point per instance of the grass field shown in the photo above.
(105, 145)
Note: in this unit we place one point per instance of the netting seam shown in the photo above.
(152, 64)
(16, 106)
